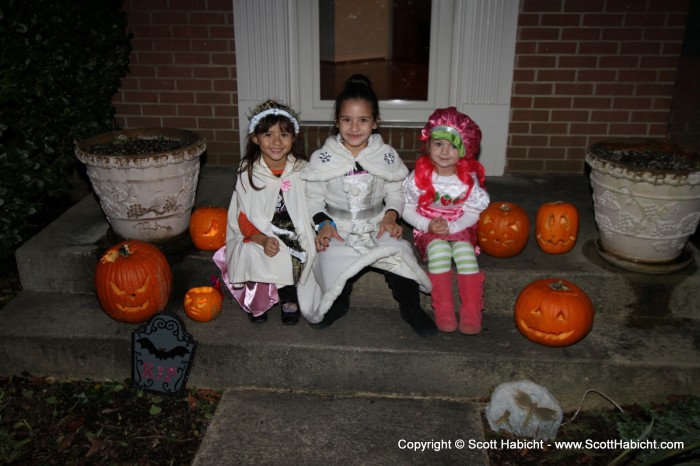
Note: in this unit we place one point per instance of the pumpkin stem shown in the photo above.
(124, 250)
(558, 286)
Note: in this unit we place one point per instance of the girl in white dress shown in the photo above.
(270, 238)
(355, 196)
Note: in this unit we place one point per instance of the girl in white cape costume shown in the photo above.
(357, 203)
(353, 193)
(256, 267)
(247, 261)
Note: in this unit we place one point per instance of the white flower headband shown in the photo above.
(272, 111)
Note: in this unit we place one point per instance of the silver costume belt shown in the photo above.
(361, 214)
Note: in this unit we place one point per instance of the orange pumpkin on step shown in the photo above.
(553, 312)
(133, 281)
(208, 228)
(556, 227)
(503, 229)
(202, 303)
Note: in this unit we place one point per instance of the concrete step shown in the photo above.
(272, 428)
(368, 351)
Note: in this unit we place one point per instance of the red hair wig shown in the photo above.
(424, 176)
(470, 135)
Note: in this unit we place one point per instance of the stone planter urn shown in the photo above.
(646, 197)
(145, 179)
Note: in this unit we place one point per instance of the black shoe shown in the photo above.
(261, 319)
(339, 308)
(405, 291)
(420, 322)
(290, 313)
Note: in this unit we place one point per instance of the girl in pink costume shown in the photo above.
(444, 197)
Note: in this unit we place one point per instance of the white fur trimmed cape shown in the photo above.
(246, 261)
(329, 187)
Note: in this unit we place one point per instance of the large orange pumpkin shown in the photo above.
(133, 281)
(202, 303)
(553, 312)
(503, 229)
(556, 227)
(208, 227)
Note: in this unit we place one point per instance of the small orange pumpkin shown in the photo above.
(553, 312)
(208, 228)
(133, 281)
(556, 227)
(503, 229)
(203, 303)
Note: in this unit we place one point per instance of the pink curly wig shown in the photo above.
(470, 135)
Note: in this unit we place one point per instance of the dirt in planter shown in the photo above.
(651, 154)
(138, 146)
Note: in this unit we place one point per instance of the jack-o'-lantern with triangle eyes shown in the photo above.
(202, 303)
(556, 227)
(208, 228)
(503, 229)
(553, 312)
(133, 281)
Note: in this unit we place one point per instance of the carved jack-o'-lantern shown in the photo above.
(203, 303)
(553, 312)
(556, 227)
(208, 228)
(503, 229)
(133, 281)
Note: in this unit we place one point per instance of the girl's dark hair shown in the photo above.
(357, 87)
(252, 151)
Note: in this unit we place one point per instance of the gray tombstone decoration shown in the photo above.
(162, 354)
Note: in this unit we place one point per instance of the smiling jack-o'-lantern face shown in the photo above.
(208, 228)
(553, 312)
(133, 281)
(503, 229)
(556, 227)
(202, 303)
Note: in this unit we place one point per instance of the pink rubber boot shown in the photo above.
(443, 303)
(471, 292)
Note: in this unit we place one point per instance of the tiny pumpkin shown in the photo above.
(503, 229)
(202, 303)
(556, 227)
(553, 312)
(208, 228)
(133, 281)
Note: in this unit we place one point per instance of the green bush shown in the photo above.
(61, 62)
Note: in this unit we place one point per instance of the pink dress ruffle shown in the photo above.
(253, 297)
(423, 238)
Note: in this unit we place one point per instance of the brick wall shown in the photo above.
(590, 70)
(585, 70)
(182, 72)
